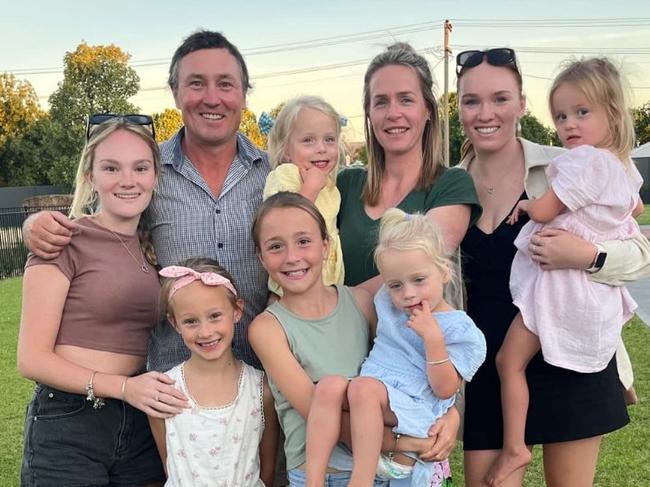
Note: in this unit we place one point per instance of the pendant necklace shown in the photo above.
(143, 265)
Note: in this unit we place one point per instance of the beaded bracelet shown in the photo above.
(391, 453)
(98, 402)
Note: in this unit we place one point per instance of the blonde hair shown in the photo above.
(199, 264)
(285, 123)
(402, 231)
(402, 54)
(84, 201)
(602, 84)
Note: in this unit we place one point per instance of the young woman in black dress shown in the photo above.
(569, 412)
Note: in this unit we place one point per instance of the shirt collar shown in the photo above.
(247, 152)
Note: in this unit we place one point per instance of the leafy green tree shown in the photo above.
(27, 157)
(641, 116)
(456, 134)
(535, 131)
(167, 123)
(95, 79)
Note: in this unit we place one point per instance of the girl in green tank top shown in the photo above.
(312, 331)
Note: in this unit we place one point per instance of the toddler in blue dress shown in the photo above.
(422, 351)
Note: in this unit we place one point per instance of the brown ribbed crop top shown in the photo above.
(111, 304)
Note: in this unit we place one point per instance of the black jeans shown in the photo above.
(68, 443)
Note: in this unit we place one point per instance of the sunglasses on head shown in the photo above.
(501, 56)
(134, 118)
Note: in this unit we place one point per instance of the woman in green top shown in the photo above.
(405, 169)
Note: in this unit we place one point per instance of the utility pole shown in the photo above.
(447, 52)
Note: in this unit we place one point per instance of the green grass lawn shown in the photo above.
(644, 218)
(623, 458)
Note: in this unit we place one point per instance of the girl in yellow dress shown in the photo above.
(305, 150)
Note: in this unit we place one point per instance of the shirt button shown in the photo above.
(50, 395)
(219, 245)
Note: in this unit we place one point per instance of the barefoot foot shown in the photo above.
(505, 464)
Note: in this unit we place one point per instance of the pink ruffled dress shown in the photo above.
(578, 321)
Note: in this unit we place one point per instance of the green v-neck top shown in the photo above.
(359, 232)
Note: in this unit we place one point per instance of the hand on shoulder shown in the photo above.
(47, 232)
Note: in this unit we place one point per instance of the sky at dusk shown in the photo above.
(324, 47)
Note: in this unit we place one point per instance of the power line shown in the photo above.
(387, 32)
(274, 48)
(560, 23)
(432, 50)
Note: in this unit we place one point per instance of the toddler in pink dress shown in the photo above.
(593, 194)
(578, 321)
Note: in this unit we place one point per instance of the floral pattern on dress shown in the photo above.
(441, 475)
(217, 445)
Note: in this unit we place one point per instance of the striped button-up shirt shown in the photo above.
(188, 220)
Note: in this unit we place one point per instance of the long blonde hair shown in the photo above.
(84, 201)
(402, 54)
(602, 84)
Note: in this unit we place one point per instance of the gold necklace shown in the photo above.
(143, 265)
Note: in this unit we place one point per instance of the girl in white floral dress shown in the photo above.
(228, 435)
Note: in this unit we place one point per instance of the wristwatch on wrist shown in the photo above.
(599, 260)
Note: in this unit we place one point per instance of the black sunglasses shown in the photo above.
(500, 56)
(134, 118)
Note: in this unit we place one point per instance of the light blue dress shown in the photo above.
(398, 360)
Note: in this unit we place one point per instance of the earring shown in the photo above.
(518, 127)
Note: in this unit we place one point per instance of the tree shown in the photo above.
(250, 129)
(26, 158)
(19, 110)
(641, 116)
(535, 131)
(361, 155)
(167, 123)
(96, 79)
(19, 107)
(456, 134)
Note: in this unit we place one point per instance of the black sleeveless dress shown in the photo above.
(564, 405)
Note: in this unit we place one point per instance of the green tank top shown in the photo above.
(336, 344)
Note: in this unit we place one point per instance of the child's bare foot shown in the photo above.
(505, 464)
(630, 396)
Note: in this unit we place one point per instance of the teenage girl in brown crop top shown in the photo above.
(85, 325)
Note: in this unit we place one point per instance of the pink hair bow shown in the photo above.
(187, 276)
